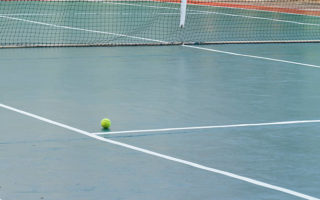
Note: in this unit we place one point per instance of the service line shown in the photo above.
(181, 161)
(209, 127)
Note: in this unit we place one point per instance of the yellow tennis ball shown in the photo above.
(105, 123)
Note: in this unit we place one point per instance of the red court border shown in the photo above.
(226, 5)
(249, 7)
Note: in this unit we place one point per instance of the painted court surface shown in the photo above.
(225, 122)
(155, 88)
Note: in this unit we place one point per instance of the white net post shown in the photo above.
(183, 12)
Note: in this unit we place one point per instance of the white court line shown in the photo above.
(185, 162)
(225, 14)
(120, 13)
(203, 12)
(158, 41)
(195, 12)
(251, 56)
(29, 14)
(206, 12)
(104, 13)
(140, 5)
(209, 127)
(246, 9)
(257, 10)
(81, 29)
(262, 18)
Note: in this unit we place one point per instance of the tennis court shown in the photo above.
(189, 121)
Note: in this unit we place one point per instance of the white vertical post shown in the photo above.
(183, 11)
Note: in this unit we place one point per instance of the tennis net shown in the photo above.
(40, 23)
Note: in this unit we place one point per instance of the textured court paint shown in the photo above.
(195, 165)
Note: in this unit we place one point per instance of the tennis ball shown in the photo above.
(105, 123)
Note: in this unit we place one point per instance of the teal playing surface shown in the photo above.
(27, 23)
(155, 88)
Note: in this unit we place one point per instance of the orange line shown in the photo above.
(253, 7)
(229, 5)
(249, 7)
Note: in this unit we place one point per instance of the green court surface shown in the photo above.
(25, 23)
(227, 122)
(263, 118)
